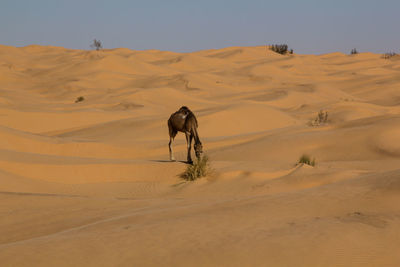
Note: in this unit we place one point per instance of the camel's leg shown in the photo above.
(189, 138)
(172, 134)
(171, 152)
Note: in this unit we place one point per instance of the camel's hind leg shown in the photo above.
(172, 135)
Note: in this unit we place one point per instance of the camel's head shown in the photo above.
(184, 110)
(198, 149)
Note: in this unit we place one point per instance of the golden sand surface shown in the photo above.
(90, 183)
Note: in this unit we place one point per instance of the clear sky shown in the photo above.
(307, 26)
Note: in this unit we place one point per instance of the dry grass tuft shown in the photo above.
(199, 168)
(79, 99)
(306, 159)
(322, 118)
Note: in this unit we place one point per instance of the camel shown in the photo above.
(184, 121)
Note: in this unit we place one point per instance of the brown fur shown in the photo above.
(184, 121)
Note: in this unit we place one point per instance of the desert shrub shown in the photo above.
(322, 118)
(79, 99)
(281, 49)
(388, 55)
(305, 159)
(353, 51)
(96, 45)
(199, 168)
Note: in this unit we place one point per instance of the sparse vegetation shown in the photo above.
(96, 45)
(199, 168)
(305, 159)
(281, 49)
(322, 118)
(79, 99)
(388, 55)
(353, 51)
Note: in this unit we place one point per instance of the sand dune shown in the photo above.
(89, 183)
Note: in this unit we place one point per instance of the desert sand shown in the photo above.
(90, 183)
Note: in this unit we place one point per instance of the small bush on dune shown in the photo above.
(322, 118)
(281, 49)
(353, 51)
(79, 99)
(96, 45)
(305, 159)
(388, 55)
(199, 168)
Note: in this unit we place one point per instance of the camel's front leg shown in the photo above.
(171, 152)
(189, 138)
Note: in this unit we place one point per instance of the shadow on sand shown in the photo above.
(168, 161)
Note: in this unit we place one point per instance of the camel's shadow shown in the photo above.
(169, 161)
